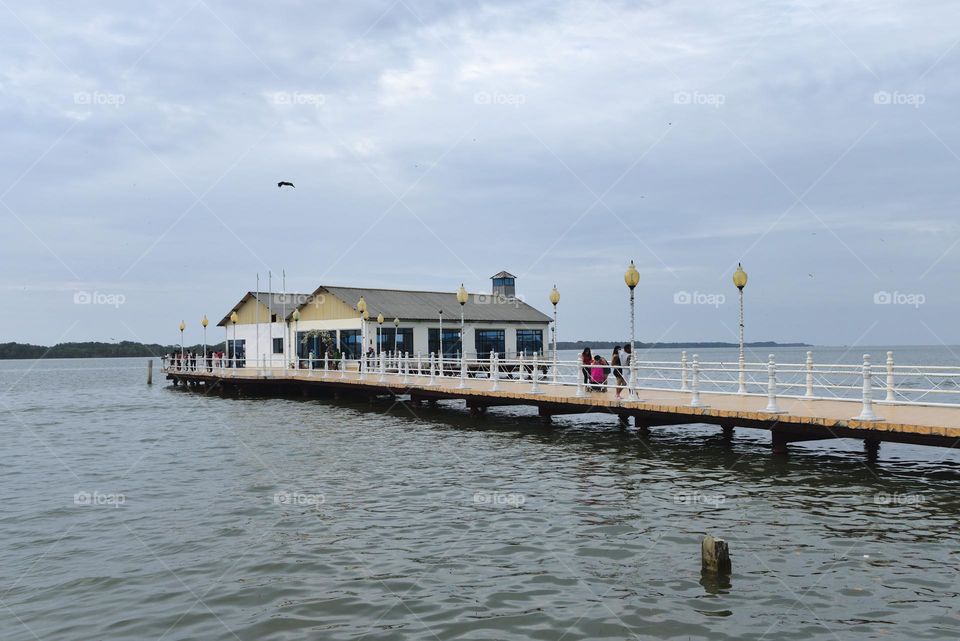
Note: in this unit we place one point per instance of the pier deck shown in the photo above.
(800, 419)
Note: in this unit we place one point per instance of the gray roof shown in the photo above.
(418, 305)
(503, 275)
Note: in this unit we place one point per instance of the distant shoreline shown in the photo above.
(127, 349)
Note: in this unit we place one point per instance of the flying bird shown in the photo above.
(284, 183)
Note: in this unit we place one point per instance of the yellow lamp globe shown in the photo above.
(296, 315)
(233, 317)
(396, 322)
(183, 326)
(204, 322)
(462, 295)
(631, 277)
(366, 315)
(740, 277)
(380, 318)
(555, 296)
(361, 305)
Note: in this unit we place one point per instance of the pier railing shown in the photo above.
(884, 383)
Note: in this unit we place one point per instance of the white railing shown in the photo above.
(886, 383)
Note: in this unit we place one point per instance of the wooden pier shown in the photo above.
(798, 419)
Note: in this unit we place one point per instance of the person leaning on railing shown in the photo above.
(586, 357)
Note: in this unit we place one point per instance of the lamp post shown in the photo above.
(183, 326)
(379, 331)
(554, 299)
(233, 352)
(396, 333)
(204, 322)
(632, 277)
(296, 324)
(362, 309)
(462, 298)
(740, 281)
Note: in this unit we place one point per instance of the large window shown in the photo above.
(530, 341)
(350, 343)
(237, 349)
(278, 345)
(314, 345)
(451, 341)
(490, 340)
(404, 340)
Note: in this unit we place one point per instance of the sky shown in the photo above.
(438, 143)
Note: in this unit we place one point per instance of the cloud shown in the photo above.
(554, 139)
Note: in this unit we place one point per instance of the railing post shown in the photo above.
(632, 385)
(809, 365)
(523, 372)
(405, 366)
(580, 390)
(343, 365)
(535, 377)
(326, 365)
(683, 372)
(433, 372)
(891, 398)
(866, 413)
(772, 407)
(695, 386)
(495, 372)
(741, 375)
(383, 367)
(419, 366)
(463, 370)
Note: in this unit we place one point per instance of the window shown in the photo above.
(278, 346)
(530, 341)
(273, 319)
(503, 282)
(350, 343)
(237, 349)
(451, 341)
(403, 337)
(490, 340)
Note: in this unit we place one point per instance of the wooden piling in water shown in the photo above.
(150, 372)
(715, 555)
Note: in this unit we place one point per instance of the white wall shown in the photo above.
(256, 352)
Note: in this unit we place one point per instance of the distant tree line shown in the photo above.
(579, 345)
(93, 349)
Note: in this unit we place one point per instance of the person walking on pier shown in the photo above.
(587, 359)
(599, 373)
(618, 371)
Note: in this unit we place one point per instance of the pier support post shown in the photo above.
(727, 432)
(622, 421)
(150, 372)
(872, 449)
(780, 441)
(545, 416)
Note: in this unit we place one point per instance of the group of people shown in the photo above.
(188, 360)
(596, 369)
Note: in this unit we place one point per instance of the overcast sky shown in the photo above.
(433, 143)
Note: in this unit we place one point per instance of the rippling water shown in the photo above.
(154, 513)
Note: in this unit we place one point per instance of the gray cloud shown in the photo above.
(556, 140)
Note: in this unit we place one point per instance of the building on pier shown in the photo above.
(268, 331)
